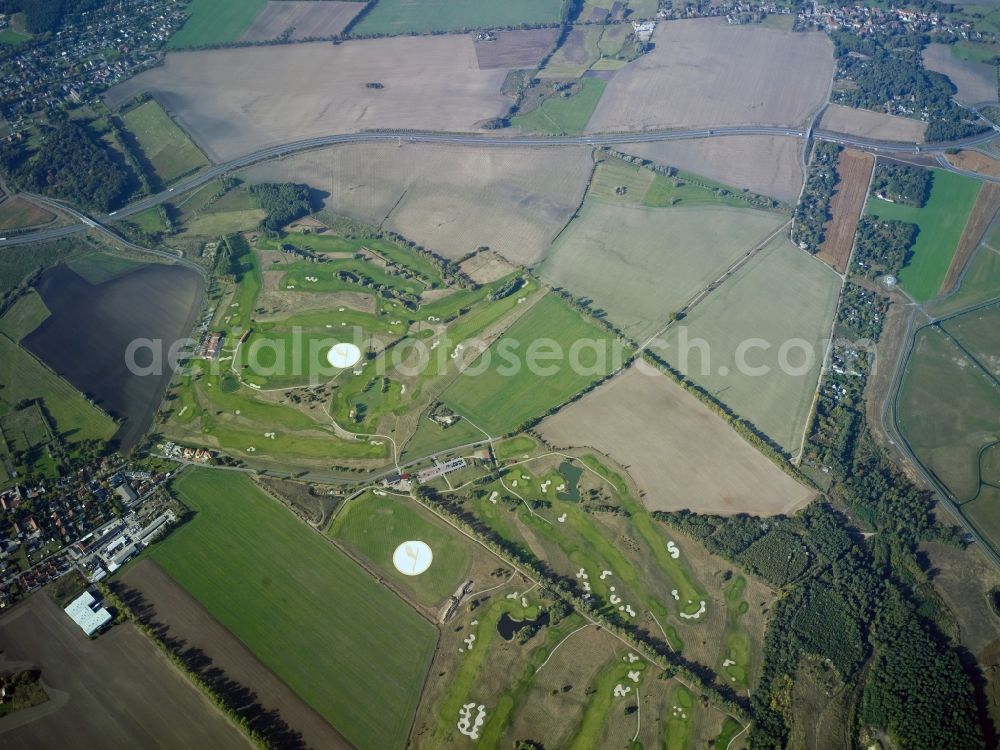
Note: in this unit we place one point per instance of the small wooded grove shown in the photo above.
(882, 245)
(284, 203)
(901, 183)
(813, 210)
(68, 164)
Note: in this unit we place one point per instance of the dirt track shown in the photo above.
(188, 621)
(854, 171)
(117, 691)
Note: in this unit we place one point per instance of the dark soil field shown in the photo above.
(516, 49)
(185, 619)
(308, 19)
(116, 691)
(854, 171)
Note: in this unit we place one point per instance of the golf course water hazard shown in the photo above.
(508, 627)
(86, 336)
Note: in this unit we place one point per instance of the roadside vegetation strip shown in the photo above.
(941, 221)
(215, 22)
(489, 399)
(343, 642)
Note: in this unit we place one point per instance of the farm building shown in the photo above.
(88, 613)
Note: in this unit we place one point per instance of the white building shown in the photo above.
(88, 613)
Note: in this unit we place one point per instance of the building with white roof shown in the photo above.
(88, 613)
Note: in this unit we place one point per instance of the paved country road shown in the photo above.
(459, 139)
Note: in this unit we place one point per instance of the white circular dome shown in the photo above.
(412, 558)
(343, 355)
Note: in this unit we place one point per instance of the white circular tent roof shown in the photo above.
(412, 558)
(343, 355)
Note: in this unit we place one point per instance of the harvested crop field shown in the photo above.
(515, 49)
(768, 165)
(975, 161)
(451, 199)
(986, 207)
(704, 73)
(235, 101)
(307, 19)
(976, 82)
(185, 619)
(115, 691)
(641, 264)
(677, 450)
(782, 300)
(17, 213)
(868, 124)
(854, 172)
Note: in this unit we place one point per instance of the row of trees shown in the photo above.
(813, 210)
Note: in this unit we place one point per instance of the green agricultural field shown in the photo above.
(164, 146)
(560, 115)
(639, 265)
(24, 377)
(980, 283)
(213, 22)
(25, 316)
(941, 221)
(498, 396)
(948, 409)
(347, 645)
(372, 527)
(984, 513)
(425, 16)
(781, 301)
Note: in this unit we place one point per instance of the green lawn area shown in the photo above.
(560, 115)
(980, 283)
(215, 22)
(25, 316)
(166, 147)
(24, 377)
(372, 527)
(348, 646)
(941, 221)
(322, 277)
(499, 392)
(424, 16)
(13, 38)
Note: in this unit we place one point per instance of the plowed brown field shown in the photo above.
(854, 171)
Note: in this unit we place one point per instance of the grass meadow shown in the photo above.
(347, 645)
(212, 22)
(499, 402)
(980, 282)
(166, 148)
(780, 295)
(941, 221)
(641, 264)
(425, 16)
(22, 377)
(948, 410)
(564, 115)
(24, 316)
(372, 527)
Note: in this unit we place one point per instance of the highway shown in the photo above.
(471, 139)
